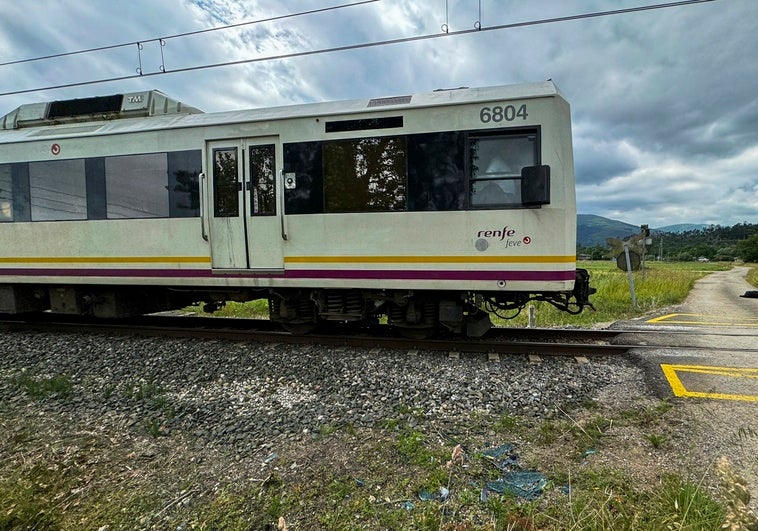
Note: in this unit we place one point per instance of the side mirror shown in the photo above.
(535, 185)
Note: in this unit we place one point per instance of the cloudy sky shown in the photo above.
(664, 102)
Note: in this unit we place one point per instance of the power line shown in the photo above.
(306, 53)
(186, 34)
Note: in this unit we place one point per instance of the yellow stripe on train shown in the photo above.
(105, 260)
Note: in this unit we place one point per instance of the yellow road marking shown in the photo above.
(666, 317)
(670, 371)
(692, 319)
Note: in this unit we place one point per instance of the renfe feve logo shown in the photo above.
(505, 237)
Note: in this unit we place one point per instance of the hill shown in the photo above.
(595, 230)
(681, 227)
(682, 242)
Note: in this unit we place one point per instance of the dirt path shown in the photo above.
(721, 427)
(719, 294)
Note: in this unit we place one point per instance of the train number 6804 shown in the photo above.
(500, 114)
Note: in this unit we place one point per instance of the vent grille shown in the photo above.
(362, 124)
(394, 100)
(85, 106)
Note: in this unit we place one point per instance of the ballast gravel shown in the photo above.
(244, 396)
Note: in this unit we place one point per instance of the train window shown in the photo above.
(57, 190)
(495, 167)
(133, 186)
(225, 183)
(94, 170)
(184, 169)
(22, 201)
(436, 172)
(6, 193)
(263, 183)
(136, 186)
(365, 175)
(304, 160)
(443, 171)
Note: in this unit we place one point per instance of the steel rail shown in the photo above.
(232, 329)
(534, 341)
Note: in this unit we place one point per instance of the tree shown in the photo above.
(748, 249)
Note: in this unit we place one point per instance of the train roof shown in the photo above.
(153, 110)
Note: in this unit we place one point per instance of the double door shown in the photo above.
(244, 218)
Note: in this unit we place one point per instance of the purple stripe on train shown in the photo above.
(353, 274)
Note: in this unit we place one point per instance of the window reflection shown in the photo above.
(262, 176)
(136, 186)
(184, 183)
(57, 190)
(365, 175)
(225, 183)
(130, 186)
(436, 172)
(6, 193)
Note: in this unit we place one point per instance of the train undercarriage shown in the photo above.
(412, 313)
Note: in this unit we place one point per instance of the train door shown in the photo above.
(245, 230)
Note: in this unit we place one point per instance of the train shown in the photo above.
(433, 210)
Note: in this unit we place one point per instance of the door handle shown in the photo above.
(202, 194)
(285, 236)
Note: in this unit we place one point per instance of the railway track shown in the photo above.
(507, 341)
(547, 342)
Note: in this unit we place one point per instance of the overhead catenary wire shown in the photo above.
(374, 44)
(187, 33)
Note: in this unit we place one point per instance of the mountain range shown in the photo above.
(595, 230)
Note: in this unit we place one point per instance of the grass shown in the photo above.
(250, 310)
(364, 479)
(752, 275)
(158, 409)
(609, 502)
(41, 388)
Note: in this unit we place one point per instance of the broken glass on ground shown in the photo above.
(527, 485)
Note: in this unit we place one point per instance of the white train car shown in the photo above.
(426, 208)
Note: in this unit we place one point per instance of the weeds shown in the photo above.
(752, 276)
(411, 445)
(649, 415)
(591, 432)
(507, 423)
(549, 431)
(56, 387)
(656, 440)
(153, 396)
